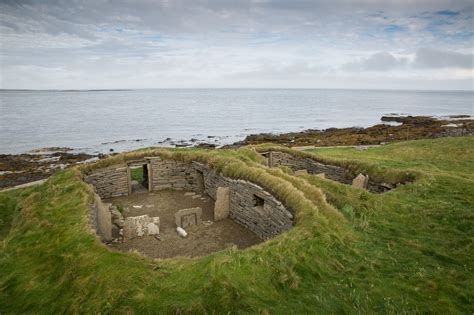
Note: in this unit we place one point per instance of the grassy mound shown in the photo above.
(408, 250)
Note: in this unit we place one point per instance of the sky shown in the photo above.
(125, 44)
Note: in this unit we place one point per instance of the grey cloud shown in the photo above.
(381, 61)
(433, 58)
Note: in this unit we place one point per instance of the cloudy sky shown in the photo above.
(99, 44)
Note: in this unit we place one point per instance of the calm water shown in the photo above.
(101, 120)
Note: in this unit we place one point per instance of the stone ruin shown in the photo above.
(307, 166)
(241, 201)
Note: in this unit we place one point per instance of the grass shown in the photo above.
(406, 251)
(136, 174)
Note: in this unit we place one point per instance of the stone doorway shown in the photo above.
(139, 178)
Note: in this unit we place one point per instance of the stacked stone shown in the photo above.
(110, 182)
(265, 221)
(296, 163)
(332, 172)
(170, 174)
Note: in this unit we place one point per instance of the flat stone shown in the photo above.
(140, 226)
(301, 173)
(187, 217)
(322, 175)
(189, 193)
(361, 181)
(196, 196)
(222, 205)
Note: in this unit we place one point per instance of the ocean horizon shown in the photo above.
(96, 121)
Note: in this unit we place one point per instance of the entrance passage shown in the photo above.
(139, 178)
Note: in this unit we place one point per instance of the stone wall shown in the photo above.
(266, 220)
(110, 181)
(250, 205)
(101, 218)
(171, 174)
(295, 163)
(333, 172)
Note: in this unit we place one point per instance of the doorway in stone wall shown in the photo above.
(139, 178)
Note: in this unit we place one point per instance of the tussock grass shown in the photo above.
(405, 251)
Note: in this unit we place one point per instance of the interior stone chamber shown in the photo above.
(244, 202)
(333, 172)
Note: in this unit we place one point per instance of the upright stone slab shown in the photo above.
(301, 172)
(222, 205)
(187, 217)
(361, 181)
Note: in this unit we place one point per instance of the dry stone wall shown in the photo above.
(249, 204)
(110, 181)
(332, 172)
(266, 220)
(171, 174)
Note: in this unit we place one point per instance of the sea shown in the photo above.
(101, 121)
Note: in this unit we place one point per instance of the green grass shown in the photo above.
(406, 251)
(136, 174)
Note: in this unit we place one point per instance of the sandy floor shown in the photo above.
(202, 240)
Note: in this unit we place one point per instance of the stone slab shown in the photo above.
(187, 217)
(301, 173)
(222, 205)
(361, 181)
(140, 226)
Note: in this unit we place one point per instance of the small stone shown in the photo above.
(137, 206)
(322, 175)
(189, 193)
(181, 232)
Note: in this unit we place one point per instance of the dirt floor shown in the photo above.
(201, 240)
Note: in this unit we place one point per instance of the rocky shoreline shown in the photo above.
(17, 169)
(394, 128)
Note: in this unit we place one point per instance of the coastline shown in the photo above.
(18, 169)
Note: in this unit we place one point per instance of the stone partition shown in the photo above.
(295, 163)
(101, 218)
(110, 181)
